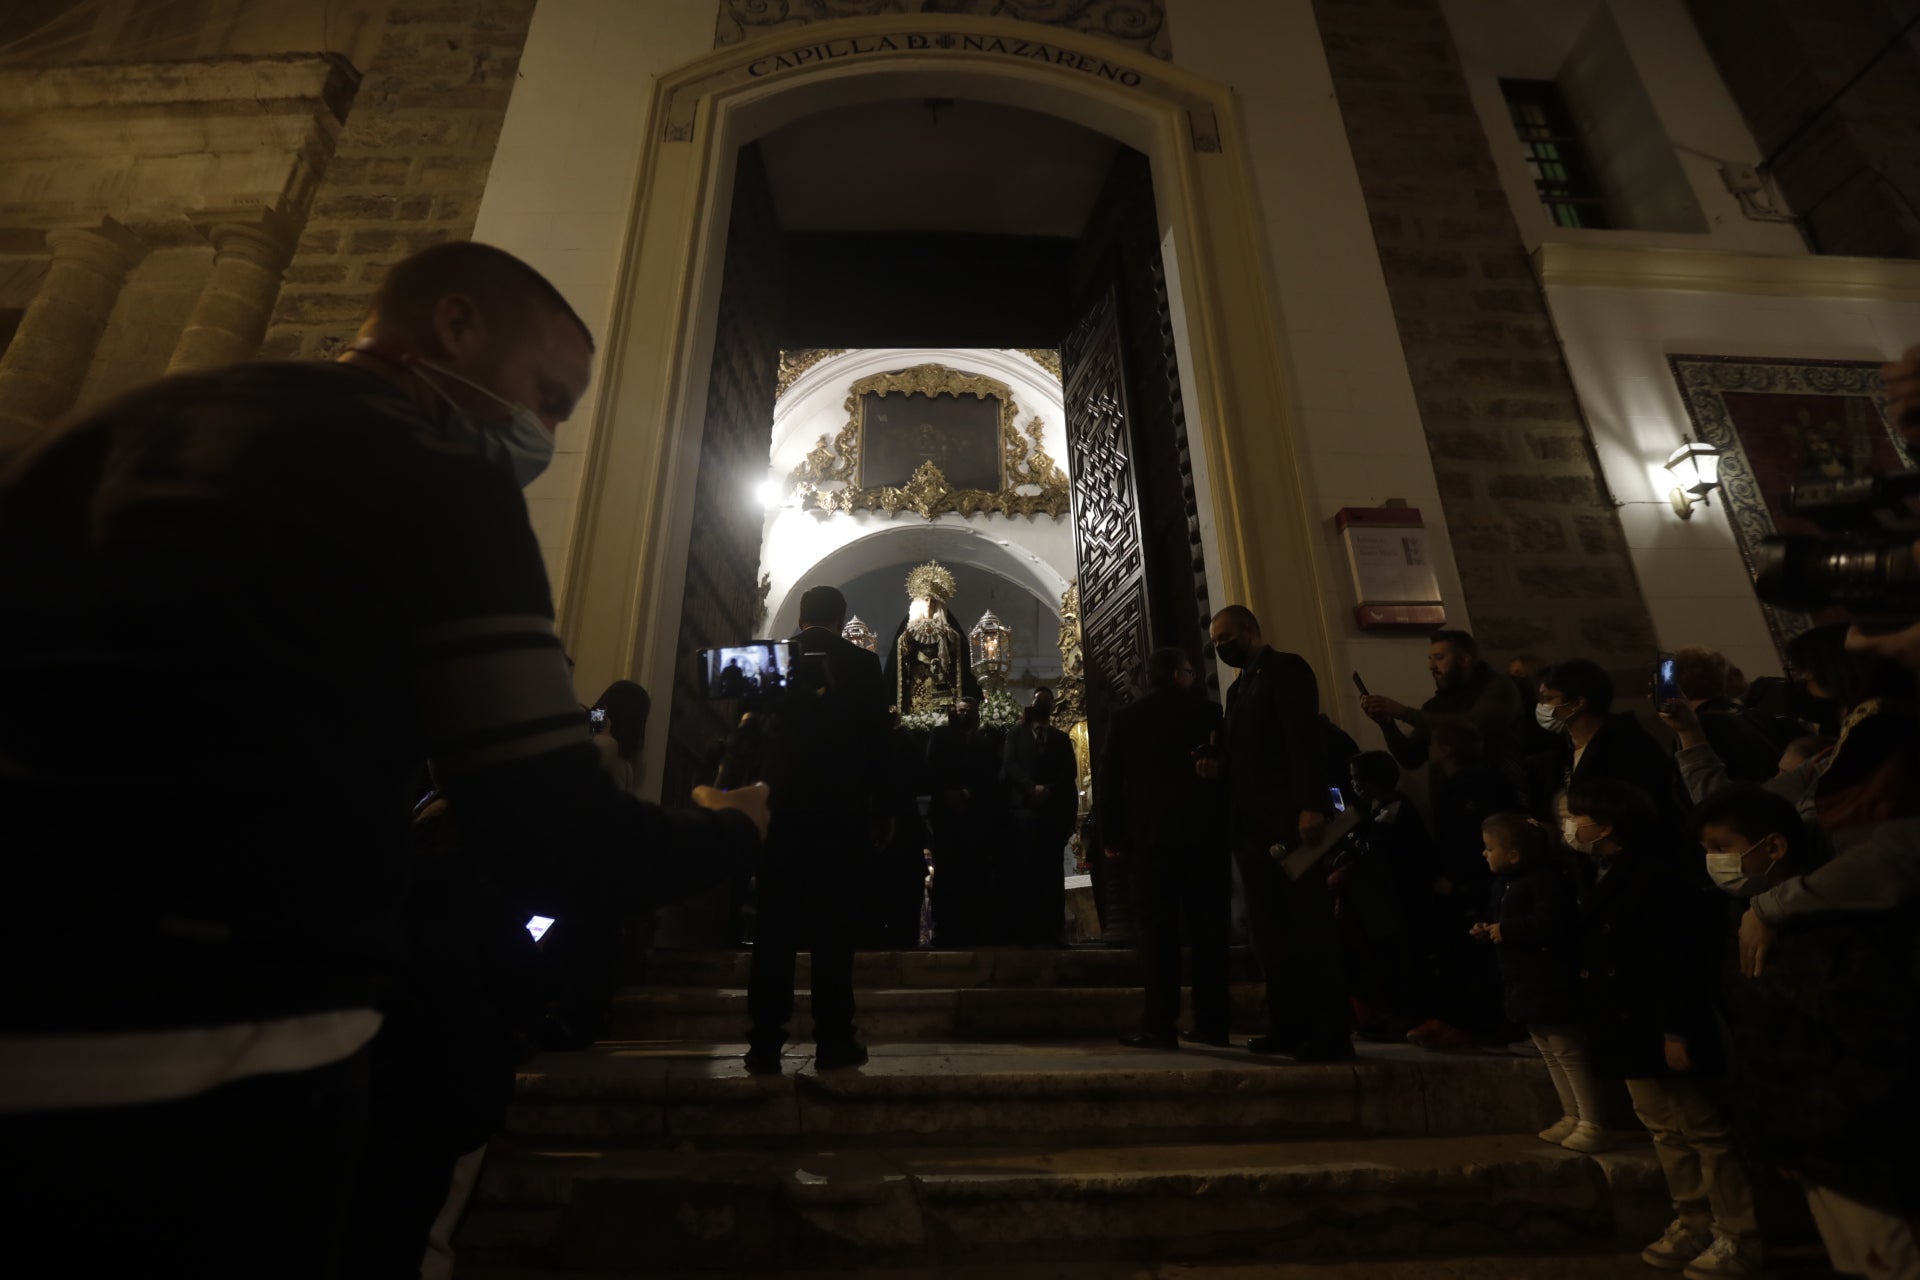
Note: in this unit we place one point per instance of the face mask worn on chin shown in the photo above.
(1544, 713)
(521, 444)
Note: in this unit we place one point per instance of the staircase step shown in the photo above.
(1086, 1093)
(1558, 1266)
(736, 1210)
(915, 1013)
(1076, 966)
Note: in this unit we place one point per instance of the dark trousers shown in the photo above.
(252, 1179)
(1036, 884)
(1292, 928)
(807, 897)
(1175, 886)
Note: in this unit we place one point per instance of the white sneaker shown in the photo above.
(1725, 1259)
(1560, 1130)
(1677, 1248)
(1589, 1137)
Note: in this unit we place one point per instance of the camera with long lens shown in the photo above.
(1864, 563)
(764, 677)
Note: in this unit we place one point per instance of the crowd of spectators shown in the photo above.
(1699, 911)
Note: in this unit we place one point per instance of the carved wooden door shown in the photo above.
(1109, 547)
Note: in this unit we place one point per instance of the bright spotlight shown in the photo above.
(768, 493)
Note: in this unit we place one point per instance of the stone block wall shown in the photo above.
(410, 165)
(1832, 92)
(1535, 533)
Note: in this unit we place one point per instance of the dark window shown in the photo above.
(1555, 156)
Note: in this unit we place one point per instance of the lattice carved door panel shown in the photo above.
(1108, 544)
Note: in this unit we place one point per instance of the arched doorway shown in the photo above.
(626, 576)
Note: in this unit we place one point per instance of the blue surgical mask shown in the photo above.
(521, 444)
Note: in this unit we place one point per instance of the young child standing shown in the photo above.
(1645, 936)
(1530, 919)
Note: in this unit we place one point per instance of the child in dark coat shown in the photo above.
(1645, 937)
(1531, 920)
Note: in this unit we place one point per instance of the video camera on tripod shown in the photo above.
(763, 676)
(1865, 562)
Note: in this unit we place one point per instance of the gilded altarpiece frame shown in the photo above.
(833, 475)
(1778, 423)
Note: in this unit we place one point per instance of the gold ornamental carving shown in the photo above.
(795, 363)
(829, 478)
(1071, 692)
(1046, 357)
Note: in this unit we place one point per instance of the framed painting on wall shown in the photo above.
(1778, 423)
(960, 434)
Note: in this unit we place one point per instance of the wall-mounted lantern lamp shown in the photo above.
(1695, 467)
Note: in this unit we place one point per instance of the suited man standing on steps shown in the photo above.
(1158, 812)
(826, 744)
(1277, 783)
(1043, 796)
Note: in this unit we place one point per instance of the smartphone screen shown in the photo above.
(1339, 801)
(538, 926)
(1666, 688)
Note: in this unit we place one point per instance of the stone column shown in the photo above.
(231, 316)
(47, 361)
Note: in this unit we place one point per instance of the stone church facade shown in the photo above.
(186, 185)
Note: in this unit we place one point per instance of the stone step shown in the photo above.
(734, 1211)
(1622, 1265)
(914, 1013)
(1075, 966)
(1088, 1093)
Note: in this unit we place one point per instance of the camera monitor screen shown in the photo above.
(745, 670)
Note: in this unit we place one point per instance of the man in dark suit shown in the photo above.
(1277, 783)
(963, 770)
(1156, 811)
(1038, 768)
(826, 744)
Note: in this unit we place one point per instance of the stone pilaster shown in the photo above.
(237, 300)
(47, 361)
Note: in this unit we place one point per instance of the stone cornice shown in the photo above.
(1711, 271)
(301, 76)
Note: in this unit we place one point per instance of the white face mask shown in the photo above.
(1544, 713)
(521, 444)
(1570, 832)
(1727, 872)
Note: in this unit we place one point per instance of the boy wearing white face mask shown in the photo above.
(1824, 1041)
(1644, 952)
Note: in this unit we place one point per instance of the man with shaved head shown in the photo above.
(244, 608)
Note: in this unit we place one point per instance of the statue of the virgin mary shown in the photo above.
(928, 666)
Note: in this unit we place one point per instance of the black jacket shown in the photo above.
(1276, 749)
(1147, 793)
(1047, 761)
(826, 750)
(962, 761)
(1826, 1040)
(1748, 754)
(1645, 939)
(1622, 751)
(1537, 910)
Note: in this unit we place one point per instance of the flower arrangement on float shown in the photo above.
(998, 710)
